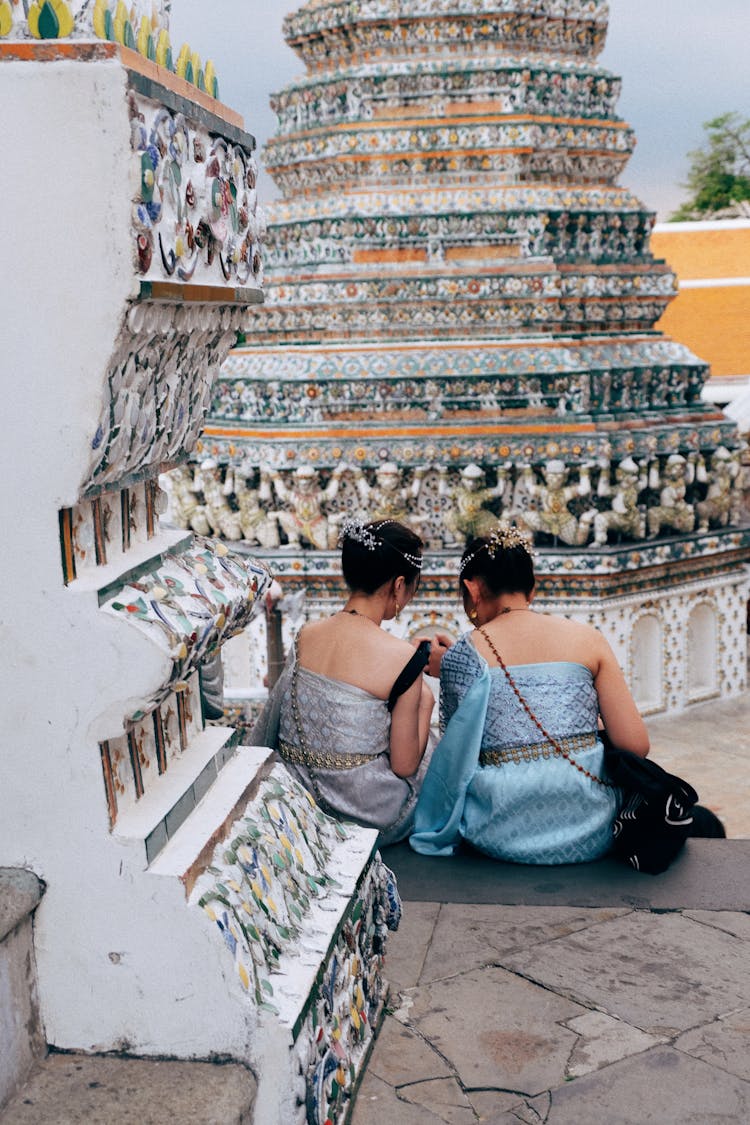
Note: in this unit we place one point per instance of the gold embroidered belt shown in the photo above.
(533, 751)
(321, 759)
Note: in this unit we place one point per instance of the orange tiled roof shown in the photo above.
(712, 312)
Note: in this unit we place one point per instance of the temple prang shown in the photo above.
(458, 280)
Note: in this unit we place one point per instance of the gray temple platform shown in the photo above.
(708, 875)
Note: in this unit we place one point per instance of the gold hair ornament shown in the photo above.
(504, 537)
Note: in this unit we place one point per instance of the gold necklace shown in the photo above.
(356, 613)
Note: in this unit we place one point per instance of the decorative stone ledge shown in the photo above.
(20, 894)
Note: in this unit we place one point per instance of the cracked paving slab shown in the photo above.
(491, 1106)
(730, 921)
(443, 1097)
(378, 1104)
(662, 1086)
(466, 937)
(724, 1043)
(497, 1030)
(662, 973)
(604, 1040)
(401, 1056)
(408, 947)
(406, 1069)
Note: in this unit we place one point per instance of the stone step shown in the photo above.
(75, 1089)
(21, 1034)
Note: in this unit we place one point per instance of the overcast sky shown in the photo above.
(682, 62)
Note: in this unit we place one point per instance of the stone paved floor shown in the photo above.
(562, 1015)
(709, 745)
(557, 1015)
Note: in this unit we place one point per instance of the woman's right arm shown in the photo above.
(453, 685)
(621, 717)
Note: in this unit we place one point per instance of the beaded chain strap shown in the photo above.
(550, 738)
(304, 756)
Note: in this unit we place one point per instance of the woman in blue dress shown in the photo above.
(518, 772)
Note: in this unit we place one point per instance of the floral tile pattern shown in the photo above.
(260, 891)
(188, 606)
(142, 26)
(196, 217)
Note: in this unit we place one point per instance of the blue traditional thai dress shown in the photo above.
(496, 782)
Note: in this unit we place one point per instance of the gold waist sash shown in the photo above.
(533, 751)
(322, 759)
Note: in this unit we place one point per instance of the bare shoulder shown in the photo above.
(578, 630)
(396, 647)
(313, 631)
(578, 641)
(311, 628)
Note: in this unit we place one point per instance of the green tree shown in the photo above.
(719, 173)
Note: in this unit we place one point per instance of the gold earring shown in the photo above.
(398, 610)
(473, 615)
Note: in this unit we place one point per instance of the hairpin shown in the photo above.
(414, 560)
(504, 537)
(358, 533)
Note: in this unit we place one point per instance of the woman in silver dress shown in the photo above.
(350, 715)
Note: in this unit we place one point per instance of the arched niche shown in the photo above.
(647, 663)
(703, 635)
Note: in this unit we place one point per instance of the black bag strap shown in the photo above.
(410, 673)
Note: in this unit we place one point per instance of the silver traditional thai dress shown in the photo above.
(335, 739)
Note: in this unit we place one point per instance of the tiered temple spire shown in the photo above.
(462, 296)
(453, 251)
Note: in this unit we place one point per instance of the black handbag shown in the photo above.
(656, 817)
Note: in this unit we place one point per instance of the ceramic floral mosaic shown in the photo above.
(196, 216)
(141, 25)
(263, 890)
(158, 387)
(333, 1043)
(456, 276)
(188, 605)
(263, 882)
(195, 221)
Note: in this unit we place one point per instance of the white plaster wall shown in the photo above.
(672, 607)
(68, 275)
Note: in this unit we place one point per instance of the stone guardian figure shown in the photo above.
(389, 498)
(624, 515)
(304, 520)
(722, 503)
(550, 512)
(468, 515)
(673, 510)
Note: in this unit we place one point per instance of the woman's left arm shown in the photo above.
(622, 719)
(410, 728)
